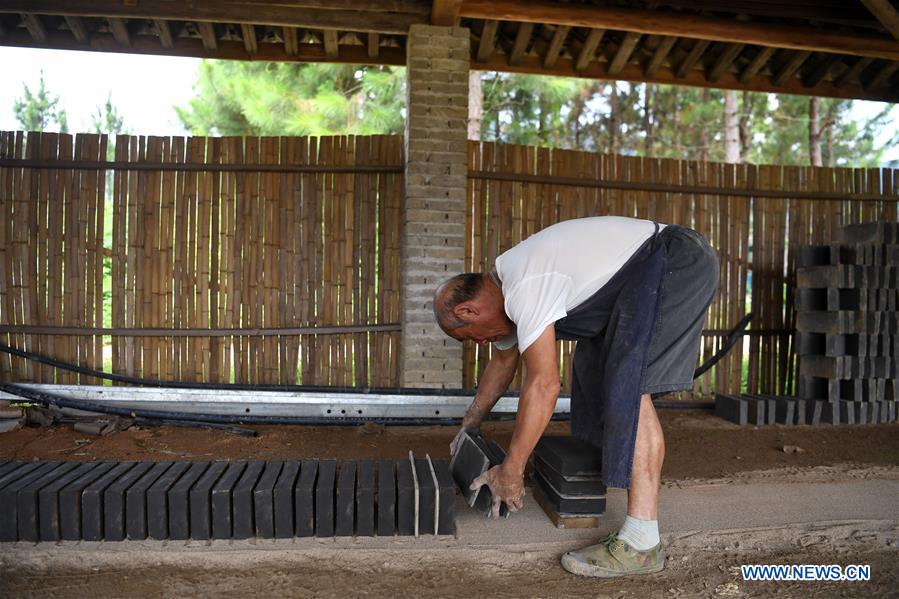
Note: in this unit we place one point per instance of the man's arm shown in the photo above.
(494, 382)
(535, 409)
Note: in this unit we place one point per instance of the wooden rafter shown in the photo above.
(76, 26)
(226, 49)
(790, 68)
(207, 34)
(555, 46)
(695, 77)
(248, 33)
(819, 71)
(851, 74)
(886, 14)
(588, 51)
(692, 58)
(119, 30)
(488, 39)
(164, 33)
(291, 42)
(725, 59)
(331, 43)
(372, 45)
(756, 64)
(445, 12)
(680, 25)
(625, 50)
(2, 29)
(35, 27)
(390, 16)
(883, 75)
(661, 52)
(522, 39)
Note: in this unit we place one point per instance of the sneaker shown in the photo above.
(614, 557)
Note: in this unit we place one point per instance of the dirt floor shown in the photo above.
(706, 457)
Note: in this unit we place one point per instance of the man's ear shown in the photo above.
(465, 310)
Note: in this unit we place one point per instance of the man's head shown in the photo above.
(470, 306)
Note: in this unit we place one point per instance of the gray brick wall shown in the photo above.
(436, 177)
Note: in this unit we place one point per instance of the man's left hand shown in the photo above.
(505, 485)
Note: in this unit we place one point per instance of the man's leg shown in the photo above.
(649, 453)
(636, 548)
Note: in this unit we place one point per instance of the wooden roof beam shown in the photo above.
(390, 16)
(445, 12)
(886, 14)
(625, 51)
(588, 51)
(789, 69)
(522, 39)
(756, 64)
(331, 43)
(679, 25)
(35, 27)
(207, 34)
(291, 41)
(248, 33)
(695, 77)
(76, 26)
(819, 71)
(373, 45)
(226, 49)
(488, 39)
(882, 75)
(661, 52)
(725, 60)
(555, 46)
(851, 75)
(164, 33)
(119, 30)
(695, 54)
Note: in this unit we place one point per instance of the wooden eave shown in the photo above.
(837, 48)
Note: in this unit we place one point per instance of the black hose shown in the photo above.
(732, 338)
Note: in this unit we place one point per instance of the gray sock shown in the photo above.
(642, 535)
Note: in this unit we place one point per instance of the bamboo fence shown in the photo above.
(754, 216)
(221, 256)
(277, 260)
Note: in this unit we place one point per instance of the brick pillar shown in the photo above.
(434, 211)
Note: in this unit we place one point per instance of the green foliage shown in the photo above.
(37, 111)
(665, 121)
(107, 119)
(251, 98)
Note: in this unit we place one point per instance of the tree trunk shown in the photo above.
(745, 132)
(647, 119)
(614, 118)
(475, 105)
(814, 133)
(704, 132)
(731, 128)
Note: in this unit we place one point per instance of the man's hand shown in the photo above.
(505, 485)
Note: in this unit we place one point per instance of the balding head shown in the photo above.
(458, 289)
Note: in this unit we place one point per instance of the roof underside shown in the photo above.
(840, 48)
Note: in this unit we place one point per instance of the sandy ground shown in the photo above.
(730, 496)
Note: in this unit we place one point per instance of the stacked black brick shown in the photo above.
(847, 322)
(93, 501)
(568, 474)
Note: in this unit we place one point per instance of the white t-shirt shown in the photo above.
(555, 270)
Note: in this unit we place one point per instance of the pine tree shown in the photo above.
(37, 111)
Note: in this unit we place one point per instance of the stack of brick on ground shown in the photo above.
(568, 485)
(847, 340)
(761, 410)
(847, 320)
(114, 501)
